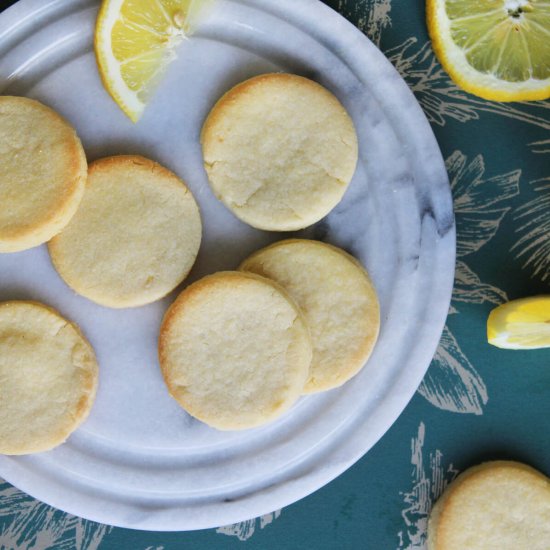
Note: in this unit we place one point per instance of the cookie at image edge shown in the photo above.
(42, 173)
(500, 505)
(279, 151)
(49, 378)
(135, 236)
(234, 350)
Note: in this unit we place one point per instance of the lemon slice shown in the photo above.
(496, 49)
(135, 40)
(521, 324)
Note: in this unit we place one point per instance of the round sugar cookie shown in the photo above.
(499, 505)
(42, 173)
(135, 236)
(48, 374)
(338, 301)
(279, 151)
(234, 350)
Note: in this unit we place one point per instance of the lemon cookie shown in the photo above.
(42, 173)
(49, 377)
(279, 151)
(337, 298)
(499, 505)
(135, 236)
(234, 350)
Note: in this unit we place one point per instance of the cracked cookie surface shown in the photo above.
(280, 151)
(497, 505)
(48, 375)
(234, 350)
(135, 236)
(338, 299)
(42, 173)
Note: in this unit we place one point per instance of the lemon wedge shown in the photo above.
(496, 49)
(521, 324)
(135, 40)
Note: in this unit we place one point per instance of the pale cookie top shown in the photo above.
(135, 236)
(42, 173)
(234, 350)
(499, 505)
(279, 151)
(337, 298)
(48, 375)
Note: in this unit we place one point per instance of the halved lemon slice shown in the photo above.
(520, 324)
(134, 42)
(496, 49)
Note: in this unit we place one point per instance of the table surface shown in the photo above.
(476, 402)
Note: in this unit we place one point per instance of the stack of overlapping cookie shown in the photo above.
(236, 348)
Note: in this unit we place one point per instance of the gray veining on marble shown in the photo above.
(139, 461)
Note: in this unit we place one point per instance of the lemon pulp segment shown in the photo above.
(521, 324)
(135, 40)
(497, 49)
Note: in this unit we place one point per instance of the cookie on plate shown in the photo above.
(501, 505)
(42, 173)
(279, 151)
(49, 377)
(338, 300)
(234, 350)
(135, 236)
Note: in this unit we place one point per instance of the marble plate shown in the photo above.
(140, 461)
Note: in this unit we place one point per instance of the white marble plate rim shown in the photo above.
(353, 49)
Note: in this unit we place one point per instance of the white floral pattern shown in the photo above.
(26, 523)
(452, 383)
(534, 245)
(371, 16)
(540, 147)
(430, 477)
(441, 99)
(245, 529)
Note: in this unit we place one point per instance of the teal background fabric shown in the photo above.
(476, 402)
